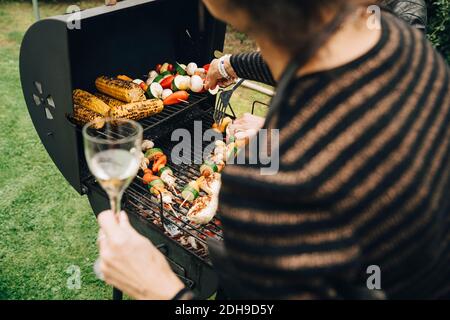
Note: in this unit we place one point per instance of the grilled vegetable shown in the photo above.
(180, 69)
(166, 175)
(225, 123)
(155, 91)
(81, 115)
(144, 86)
(120, 89)
(137, 110)
(108, 100)
(148, 177)
(191, 67)
(159, 164)
(208, 169)
(232, 151)
(190, 193)
(154, 153)
(141, 84)
(89, 101)
(167, 82)
(176, 97)
(201, 72)
(166, 93)
(125, 78)
(147, 144)
(166, 67)
(159, 79)
(196, 84)
(151, 76)
(155, 186)
(144, 163)
(181, 83)
(165, 170)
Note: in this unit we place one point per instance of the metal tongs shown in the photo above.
(168, 225)
(224, 101)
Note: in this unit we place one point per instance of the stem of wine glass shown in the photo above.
(115, 200)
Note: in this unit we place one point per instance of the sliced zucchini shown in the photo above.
(152, 153)
(190, 194)
(162, 76)
(155, 91)
(154, 185)
(208, 169)
(179, 83)
(165, 169)
(181, 69)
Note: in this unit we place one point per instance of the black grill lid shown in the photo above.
(128, 38)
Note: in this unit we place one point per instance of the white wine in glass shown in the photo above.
(113, 156)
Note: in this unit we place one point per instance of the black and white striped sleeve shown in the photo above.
(251, 66)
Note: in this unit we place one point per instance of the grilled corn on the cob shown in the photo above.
(82, 115)
(89, 101)
(120, 89)
(137, 110)
(108, 100)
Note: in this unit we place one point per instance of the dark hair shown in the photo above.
(293, 24)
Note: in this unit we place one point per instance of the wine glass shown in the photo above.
(113, 154)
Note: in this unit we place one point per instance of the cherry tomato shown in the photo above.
(158, 68)
(144, 86)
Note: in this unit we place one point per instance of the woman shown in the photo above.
(364, 149)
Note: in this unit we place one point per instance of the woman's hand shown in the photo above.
(132, 263)
(245, 127)
(214, 78)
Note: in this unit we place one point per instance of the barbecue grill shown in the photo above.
(128, 38)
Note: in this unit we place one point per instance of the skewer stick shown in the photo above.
(181, 205)
(173, 211)
(181, 100)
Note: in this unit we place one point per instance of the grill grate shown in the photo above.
(141, 199)
(138, 198)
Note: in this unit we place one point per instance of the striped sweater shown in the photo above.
(363, 180)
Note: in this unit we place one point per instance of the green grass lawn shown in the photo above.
(46, 227)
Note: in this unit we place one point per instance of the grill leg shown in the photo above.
(117, 294)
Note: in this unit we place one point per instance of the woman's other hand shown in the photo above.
(214, 78)
(131, 263)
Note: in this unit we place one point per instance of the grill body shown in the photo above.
(129, 38)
